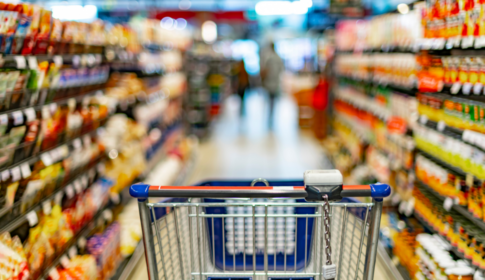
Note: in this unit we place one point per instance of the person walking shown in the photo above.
(271, 70)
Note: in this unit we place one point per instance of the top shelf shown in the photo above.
(436, 46)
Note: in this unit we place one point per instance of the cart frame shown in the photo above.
(180, 261)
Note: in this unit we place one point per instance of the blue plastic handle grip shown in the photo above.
(379, 191)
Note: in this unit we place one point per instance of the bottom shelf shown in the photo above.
(127, 266)
(453, 249)
(396, 271)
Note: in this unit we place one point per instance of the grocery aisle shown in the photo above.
(246, 149)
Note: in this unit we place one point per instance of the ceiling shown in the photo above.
(196, 5)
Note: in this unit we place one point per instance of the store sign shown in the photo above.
(348, 8)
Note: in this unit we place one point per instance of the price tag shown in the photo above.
(32, 60)
(47, 207)
(32, 218)
(455, 88)
(25, 170)
(402, 206)
(439, 44)
(479, 42)
(58, 60)
(54, 155)
(115, 198)
(78, 187)
(5, 175)
(477, 89)
(18, 118)
(448, 203)
(467, 42)
(76, 60)
(423, 119)
(84, 181)
(58, 197)
(54, 274)
(30, 114)
(409, 207)
(77, 144)
(108, 215)
(15, 173)
(64, 261)
(20, 60)
(72, 252)
(45, 113)
(81, 242)
(69, 191)
(63, 151)
(3, 119)
(467, 88)
(98, 58)
(46, 159)
(441, 126)
(396, 199)
(469, 179)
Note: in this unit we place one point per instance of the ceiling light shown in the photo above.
(87, 13)
(403, 8)
(265, 8)
(167, 23)
(185, 4)
(307, 3)
(180, 23)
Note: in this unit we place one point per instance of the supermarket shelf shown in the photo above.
(60, 101)
(442, 162)
(474, 138)
(33, 159)
(458, 208)
(15, 223)
(22, 61)
(87, 231)
(397, 88)
(398, 272)
(128, 264)
(453, 249)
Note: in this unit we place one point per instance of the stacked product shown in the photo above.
(209, 82)
(74, 136)
(415, 118)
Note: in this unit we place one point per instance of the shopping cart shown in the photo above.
(305, 230)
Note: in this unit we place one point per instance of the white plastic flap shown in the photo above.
(323, 177)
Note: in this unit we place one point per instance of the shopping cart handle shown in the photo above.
(143, 191)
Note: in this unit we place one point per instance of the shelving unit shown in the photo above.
(127, 266)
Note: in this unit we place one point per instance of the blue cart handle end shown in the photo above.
(139, 191)
(379, 191)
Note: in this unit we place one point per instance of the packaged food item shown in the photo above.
(13, 259)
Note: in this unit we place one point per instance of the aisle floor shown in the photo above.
(246, 148)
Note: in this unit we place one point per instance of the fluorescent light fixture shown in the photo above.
(209, 31)
(403, 8)
(167, 23)
(185, 4)
(87, 13)
(180, 23)
(266, 8)
(307, 3)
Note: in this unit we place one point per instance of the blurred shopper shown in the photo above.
(271, 70)
(242, 83)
